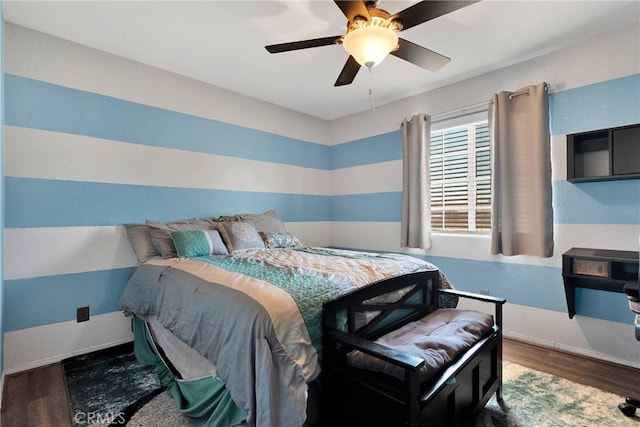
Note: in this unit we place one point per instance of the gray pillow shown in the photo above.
(267, 222)
(140, 239)
(161, 232)
(240, 236)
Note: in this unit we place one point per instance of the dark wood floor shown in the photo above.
(39, 398)
(617, 379)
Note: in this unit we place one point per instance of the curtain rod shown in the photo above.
(513, 95)
(523, 92)
(470, 109)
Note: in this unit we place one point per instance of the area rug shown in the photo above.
(531, 399)
(108, 386)
(536, 399)
(117, 385)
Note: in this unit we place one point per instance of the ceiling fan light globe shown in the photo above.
(369, 45)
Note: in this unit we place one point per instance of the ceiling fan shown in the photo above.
(372, 35)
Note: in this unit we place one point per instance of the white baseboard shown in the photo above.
(60, 357)
(35, 347)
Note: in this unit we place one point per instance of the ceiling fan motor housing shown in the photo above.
(377, 17)
(364, 17)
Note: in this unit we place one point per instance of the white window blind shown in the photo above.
(460, 172)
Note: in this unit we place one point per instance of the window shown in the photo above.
(460, 172)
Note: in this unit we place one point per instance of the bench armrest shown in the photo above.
(390, 355)
(470, 295)
(498, 302)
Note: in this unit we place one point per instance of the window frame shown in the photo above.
(470, 121)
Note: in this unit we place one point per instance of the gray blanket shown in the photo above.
(208, 317)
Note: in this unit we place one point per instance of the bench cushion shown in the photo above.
(437, 338)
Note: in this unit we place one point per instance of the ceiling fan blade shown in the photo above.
(302, 44)
(420, 56)
(427, 10)
(348, 72)
(353, 8)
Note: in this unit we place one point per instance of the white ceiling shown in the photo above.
(222, 42)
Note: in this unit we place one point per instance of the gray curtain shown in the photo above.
(416, 193)
(522, 214)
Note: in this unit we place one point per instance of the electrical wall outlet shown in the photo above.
(485, 291)
(82, 314)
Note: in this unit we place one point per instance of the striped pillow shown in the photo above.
(195, 243)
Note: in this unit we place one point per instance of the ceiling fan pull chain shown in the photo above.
(373, 99)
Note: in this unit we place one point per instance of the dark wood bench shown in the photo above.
(453, 396)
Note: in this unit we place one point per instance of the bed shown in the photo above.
(237, 300)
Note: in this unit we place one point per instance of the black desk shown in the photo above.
(605, 270)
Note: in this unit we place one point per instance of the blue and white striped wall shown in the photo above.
(2, 326)
(370, 197)
(89, 147)
(93, 141)
(78, 162)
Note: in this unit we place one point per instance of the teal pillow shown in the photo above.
(161, 232)
(194, 243)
